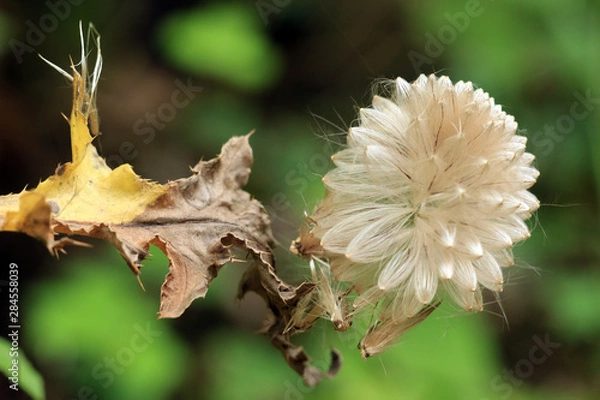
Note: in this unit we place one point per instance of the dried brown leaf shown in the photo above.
(195, 221)
(282, 299)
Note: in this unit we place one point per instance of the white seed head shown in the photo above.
(430, 194)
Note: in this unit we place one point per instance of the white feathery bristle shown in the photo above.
(90, 79)
(429, 195)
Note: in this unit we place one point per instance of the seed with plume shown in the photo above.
(430, 193)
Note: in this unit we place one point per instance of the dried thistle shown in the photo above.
(89, 79)
(328, 299)
(430, 192)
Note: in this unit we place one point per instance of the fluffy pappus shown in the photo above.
(327, 300)
(428, 197)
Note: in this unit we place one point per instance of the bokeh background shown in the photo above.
(296, 72)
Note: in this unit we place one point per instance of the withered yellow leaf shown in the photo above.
(87, 189)
(186, 218)
(194, 221)
(32, 217)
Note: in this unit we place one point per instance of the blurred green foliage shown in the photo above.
(206, 40)
(29, 380)
(531, 56)
(114, 345)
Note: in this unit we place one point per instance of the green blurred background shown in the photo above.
(296, 72)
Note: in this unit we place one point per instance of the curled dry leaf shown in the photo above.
(283, 300)
(194, 221)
